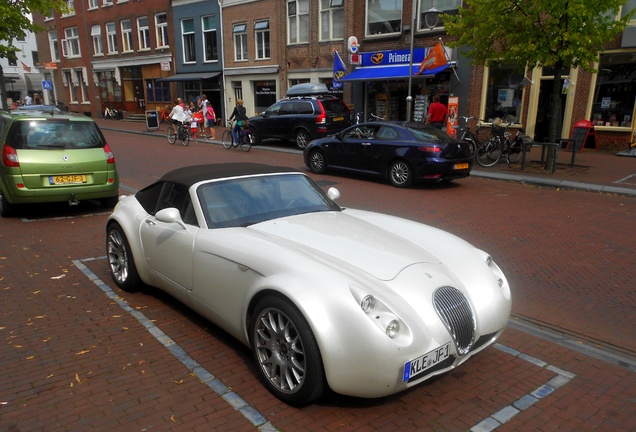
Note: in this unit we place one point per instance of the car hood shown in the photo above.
(344, 239)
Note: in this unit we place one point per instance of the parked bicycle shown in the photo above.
(465, 134)
(245, 137)
(180, 131)
(502, 143)
(111, 113)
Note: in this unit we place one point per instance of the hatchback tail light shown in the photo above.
(322, 117)
(10, 157)
(110, 157)
(430, 149)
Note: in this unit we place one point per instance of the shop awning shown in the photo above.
(189, 77)
(375, 73)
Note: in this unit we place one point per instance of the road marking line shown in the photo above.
(207, 378)
(505, 414)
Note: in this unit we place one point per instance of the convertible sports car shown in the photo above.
(403, 152)
(365, 303)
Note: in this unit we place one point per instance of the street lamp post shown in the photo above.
(431, 18)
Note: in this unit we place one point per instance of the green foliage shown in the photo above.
(16, 20)
(536, 32)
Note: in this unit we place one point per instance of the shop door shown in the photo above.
(542, 129)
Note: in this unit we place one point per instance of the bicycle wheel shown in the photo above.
(471, 145)
(515, 151)
(489, 153)
(171, 134)
(246, 141)
(227, 139)
(184, 137)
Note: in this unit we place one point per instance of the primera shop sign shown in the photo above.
(392, 57)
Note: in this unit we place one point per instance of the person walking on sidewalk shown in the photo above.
(211, 121)
(437, 113)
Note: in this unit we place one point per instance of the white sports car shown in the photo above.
(364, 303)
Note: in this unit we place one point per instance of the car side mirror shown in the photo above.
(333, 193)
(170, 215)
(339, 136)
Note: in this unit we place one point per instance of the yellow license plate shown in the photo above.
(460, 166)
(338, 118)
(65, 179)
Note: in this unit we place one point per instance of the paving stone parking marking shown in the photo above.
(526, 401)
(257, 419)
(234, 400)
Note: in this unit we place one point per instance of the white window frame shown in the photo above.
(54, 46)
(262, 40)
(239, 33)
(383, 29)
(98, 46)
(70, 6)
(93, 4)
(143, 31)
(297, 21)
(107, 3)
(126, 36)
(444, 6)
(71, 43)
(188, 40)
(80, 80)
(329, 8)
(208, 25)
(111, 37)
(161, 28)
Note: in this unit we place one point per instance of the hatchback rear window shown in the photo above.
(49, 134)
(335, 106)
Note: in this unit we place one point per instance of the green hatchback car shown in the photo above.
(50, 156)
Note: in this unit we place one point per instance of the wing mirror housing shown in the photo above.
(170, 215)
(333, 193)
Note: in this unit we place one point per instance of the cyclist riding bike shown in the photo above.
(178, 114)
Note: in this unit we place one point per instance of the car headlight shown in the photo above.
(501, 279)
(381, 315)
(367, 304)
(392, 328)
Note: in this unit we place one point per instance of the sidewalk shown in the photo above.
(593, 171)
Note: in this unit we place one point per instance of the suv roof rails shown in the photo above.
(307, 89)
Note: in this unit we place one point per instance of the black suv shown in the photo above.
(307, 113)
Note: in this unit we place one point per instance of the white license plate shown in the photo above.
(426, 361)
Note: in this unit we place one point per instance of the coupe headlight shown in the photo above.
(367, 304)
(392, 329)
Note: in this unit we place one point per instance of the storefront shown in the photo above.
(380, 84)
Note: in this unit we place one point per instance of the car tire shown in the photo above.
(317, 162)
(302, 138)
(6, 208)
(400, 174)
(286, 352)
(256, 139)
(120, 259)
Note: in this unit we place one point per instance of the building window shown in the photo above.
(12, 60)
(613, 103)
(261, 33)
(36, 58)
(157, 91)
(240, 41)
(161, 26)
(331, 20)
(54, 46)
(144, 33)
(71, 44)
(81, 88)
(126, 36)
(298, 21)
(446, 7)
(107, 3)
(187, 35)
(383, 17)
(111, 37)
(98, 47)
(210, 47)
(93, 4)
(109, 90)
(504, 93)
(70, 8)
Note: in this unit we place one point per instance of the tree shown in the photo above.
(16, 22)
(557, 33)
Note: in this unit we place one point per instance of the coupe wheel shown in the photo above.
(120, 259)
(317, 162)
(302, 138)
(286, 352)
(400, 174)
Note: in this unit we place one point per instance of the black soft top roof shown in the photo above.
(193, 174)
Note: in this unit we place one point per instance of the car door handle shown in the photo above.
(150, 222)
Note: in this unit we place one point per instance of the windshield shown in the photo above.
(49, 134)
(246, 201)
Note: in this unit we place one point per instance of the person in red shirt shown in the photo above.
(437, 113)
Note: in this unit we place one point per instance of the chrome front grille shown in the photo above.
(455, 311)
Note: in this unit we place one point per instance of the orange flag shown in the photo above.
(436, 57)
(25, 67)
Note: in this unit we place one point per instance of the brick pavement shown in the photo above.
(74, 360)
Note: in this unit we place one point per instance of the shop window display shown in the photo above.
(615, 89)
(504, 92)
